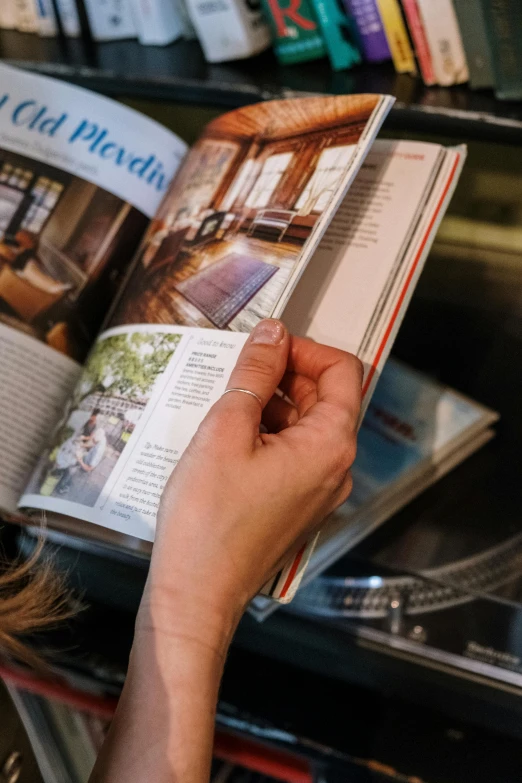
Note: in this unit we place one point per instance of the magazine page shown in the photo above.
(246, 211)
(80, 178)
(338, 301)
(141, 396)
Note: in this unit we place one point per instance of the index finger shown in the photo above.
(337, 374)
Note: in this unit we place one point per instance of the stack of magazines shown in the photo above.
(288, 209)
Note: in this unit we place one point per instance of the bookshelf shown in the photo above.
(294, 658)
(180, 73)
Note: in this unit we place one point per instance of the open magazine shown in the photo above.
(280, 209)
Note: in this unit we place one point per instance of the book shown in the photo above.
(228, 30)
(339, 34)
(8, 14)
(444, 40)
(188, 31)
(69, 18)
(414, 432)
(503, 20)
(397, 36)
(47, 24)
(110, 20)
(420, 42)
(269, 215)
(370, 28)
(26, 19)
(295, 33)
(158, 21)
(472, 24)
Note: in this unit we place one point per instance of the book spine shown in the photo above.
(295, 31)
(26, 18)
(420, 42)
(470, 16)
(445, 42)
(228, 30)
(504, 25)
(110, 20)
(370, 28)
(157, 21)
(69, 18)
(7, 14)
(188, 28)
(47, 24)
(338, 33)
(397, 36)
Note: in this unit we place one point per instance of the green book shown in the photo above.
(472, 23)
(295, 30)
(504, 30)
(339, 34)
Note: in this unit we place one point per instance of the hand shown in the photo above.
(237, 506)
(241, 502)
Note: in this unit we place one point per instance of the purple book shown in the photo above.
(371, 31)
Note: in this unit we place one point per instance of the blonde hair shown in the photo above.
(33, 598)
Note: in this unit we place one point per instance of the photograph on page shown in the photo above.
(115, 386)
(239, 220)
(80, 178)
(64, 243)
(142, 394)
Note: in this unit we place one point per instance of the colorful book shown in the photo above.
(397, 36)
(295, 31)
(420, 42)
(370, 29)
(472, 23)
(339, 34)
(445, 42)
(504, 30)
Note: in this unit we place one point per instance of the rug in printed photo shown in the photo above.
(222, 290)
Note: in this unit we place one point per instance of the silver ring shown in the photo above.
(245, 391)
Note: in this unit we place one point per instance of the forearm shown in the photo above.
(163, 729)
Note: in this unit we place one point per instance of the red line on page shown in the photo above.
(406, 286)
(292, 572)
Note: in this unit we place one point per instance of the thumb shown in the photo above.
(259, 369)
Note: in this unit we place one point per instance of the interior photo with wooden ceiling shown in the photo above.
(233, 225)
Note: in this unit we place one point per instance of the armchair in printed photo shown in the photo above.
(272, 221)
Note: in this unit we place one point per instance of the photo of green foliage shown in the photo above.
(113, 390)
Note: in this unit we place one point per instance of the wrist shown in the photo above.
(177, 612)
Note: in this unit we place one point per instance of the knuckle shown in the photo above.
(254, 367)
(343, 454)
(346, 490)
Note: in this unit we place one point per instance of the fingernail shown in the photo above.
(268, 332)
